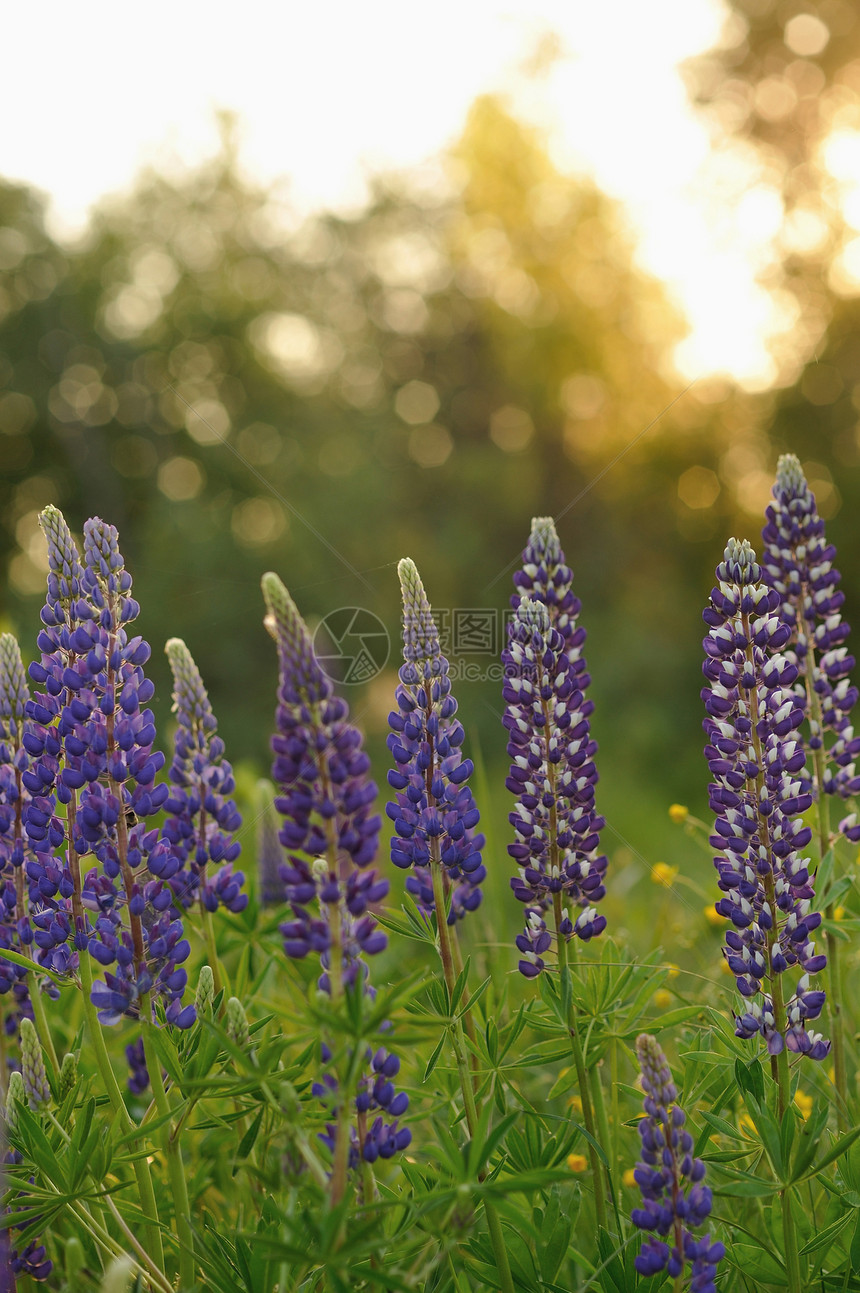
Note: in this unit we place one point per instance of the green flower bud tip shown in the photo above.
(205, 992)
(33, 1066)
(68, 1075)
(237, 1023)
(15, 1096)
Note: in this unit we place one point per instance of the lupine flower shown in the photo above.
(433, 810)
(325, 798)
(797, 561)
(16, 931)
(674, 1200)
(201, 819)
(138, 1077)
(91, 745)
(376, 1095)
(330, 836)
(557, 832)
(756, 762)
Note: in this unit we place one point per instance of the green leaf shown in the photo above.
(823, 1240)
(835, 1151)
(854, 1250)
(460, 986)
(248, 1140)
(757, 1263)
(750, 1079)
(434, 1058)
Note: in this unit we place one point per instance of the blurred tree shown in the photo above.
(784, 84)
(237, 391)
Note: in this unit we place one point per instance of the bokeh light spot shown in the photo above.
(806, 35)
(430, 446)
(416, 402)
(180, 479)
(256, 522)
(698, 487)
(511, 428)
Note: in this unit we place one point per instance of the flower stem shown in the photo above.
(172, 1149)
(41, 1019)
(494, 1226)
(141, 1166)
(581, 1074)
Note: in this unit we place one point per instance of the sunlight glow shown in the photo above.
(326, 94)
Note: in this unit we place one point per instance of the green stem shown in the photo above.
(494, 1226)
(212, 949)
(597, 1176)
(141, 1167)
(42, 1021)
(471, 1032)
(172, 1149)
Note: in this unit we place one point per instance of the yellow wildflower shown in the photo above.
(804, 1103)
(839, 913)
(662, 999)
(629, 1178)
(662, 873)
(575, 1104)
(746, 1124)
(674, 970)
(678, 813)
(577, 1162)
(712, 916)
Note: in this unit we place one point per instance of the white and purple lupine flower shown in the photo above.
(798, 562)
(675, 1202)
(331, 835)
(433, 810)
(756, 760)
(553, 775)
(91, 747)
(200, 817)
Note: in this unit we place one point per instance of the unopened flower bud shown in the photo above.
(237, 1023)
(33, 1066)
(205, 992)
(68, 1076)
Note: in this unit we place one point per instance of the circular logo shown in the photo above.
(351, 645)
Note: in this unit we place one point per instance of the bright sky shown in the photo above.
(328, 91)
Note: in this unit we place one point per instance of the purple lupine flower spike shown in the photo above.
(16, 931)
(757, 762)
(557, 832)
(675, 1202)
(433, 810)
(330, 836)
(91, 744)
(201, 819)
(798, 562)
